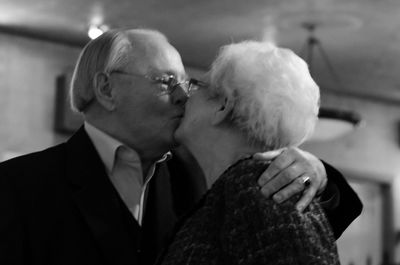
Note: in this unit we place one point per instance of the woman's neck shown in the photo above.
(216, 153)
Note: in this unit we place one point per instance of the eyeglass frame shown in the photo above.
(190, 85)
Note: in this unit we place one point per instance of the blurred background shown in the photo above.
(352, 46)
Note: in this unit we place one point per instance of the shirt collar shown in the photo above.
(107, 147)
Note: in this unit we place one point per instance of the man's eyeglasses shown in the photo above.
(168, 83)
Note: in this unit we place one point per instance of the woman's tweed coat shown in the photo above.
(235, 224)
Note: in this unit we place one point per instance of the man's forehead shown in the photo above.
(167, 61)
(156, 55)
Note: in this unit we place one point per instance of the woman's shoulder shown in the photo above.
(243, 173)
(247, 166)
(240, 189)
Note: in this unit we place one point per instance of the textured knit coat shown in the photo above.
(235, 224)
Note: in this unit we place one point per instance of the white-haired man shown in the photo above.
(82, 202)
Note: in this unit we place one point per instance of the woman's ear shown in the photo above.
(104, 91)
(223, 110)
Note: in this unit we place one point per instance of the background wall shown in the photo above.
(28, 71)
(363, 241)
(370, 158)
(372, 151)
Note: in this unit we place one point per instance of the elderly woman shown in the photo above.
(259, 97)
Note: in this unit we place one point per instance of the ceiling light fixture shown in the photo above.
(96, 30)
(333, 123)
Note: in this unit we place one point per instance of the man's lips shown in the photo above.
(178, 116)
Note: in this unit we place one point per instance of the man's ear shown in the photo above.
(103, 91)
(223, 111)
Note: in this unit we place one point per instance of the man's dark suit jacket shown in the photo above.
(58, 206)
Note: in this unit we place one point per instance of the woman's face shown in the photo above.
(197, 120)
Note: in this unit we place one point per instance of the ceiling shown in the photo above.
(360, 37)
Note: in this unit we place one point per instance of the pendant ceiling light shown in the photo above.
(333, 123)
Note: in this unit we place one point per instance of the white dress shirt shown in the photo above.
(124, 168)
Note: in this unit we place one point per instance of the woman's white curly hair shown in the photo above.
(276, 101)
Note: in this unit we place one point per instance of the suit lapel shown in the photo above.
(99, 203)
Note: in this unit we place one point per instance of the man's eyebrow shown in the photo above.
(176, 75)
(161, 72)
(167, 72)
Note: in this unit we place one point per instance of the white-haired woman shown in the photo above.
(259, 97)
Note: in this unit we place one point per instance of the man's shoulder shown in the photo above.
(52, 155)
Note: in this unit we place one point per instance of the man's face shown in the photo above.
(147, 113)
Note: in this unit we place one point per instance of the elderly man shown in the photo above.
(82, 202)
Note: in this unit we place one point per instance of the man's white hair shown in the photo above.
(276, 101)
(111, 51)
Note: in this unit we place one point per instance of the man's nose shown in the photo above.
(179, 96)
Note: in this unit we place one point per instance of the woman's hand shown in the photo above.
(292, 171)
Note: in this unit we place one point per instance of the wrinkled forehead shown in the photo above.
(165, 58)
(157, 56)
